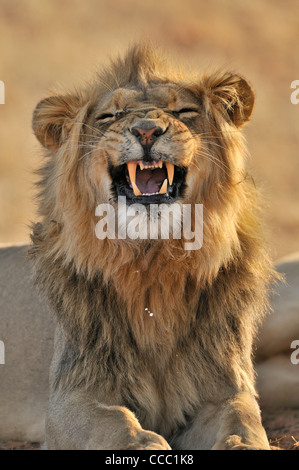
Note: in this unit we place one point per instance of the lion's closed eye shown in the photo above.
(185, 111)
(104, 116)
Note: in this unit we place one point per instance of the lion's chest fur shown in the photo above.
(162, 366)
(161, 370)
(154, 341)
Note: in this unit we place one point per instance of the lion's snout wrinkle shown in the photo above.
(151, 330)
(147, 132)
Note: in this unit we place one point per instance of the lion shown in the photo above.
(153, 348)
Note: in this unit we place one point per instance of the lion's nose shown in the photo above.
(147, 136)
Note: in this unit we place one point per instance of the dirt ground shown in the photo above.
(282, 427)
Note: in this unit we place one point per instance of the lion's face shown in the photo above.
(147, 138)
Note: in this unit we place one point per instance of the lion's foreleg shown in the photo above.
(76, 421)
(232, 425)
(240, 426)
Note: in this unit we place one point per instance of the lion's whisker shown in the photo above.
(207, 142)
(212, 157)
(216, 162)
(93, 128)
(85, 155)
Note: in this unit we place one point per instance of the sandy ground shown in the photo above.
(282, 427)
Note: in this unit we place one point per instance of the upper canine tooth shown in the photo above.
(132, 166)
(170, 171)
(163, 188)
(136, 189)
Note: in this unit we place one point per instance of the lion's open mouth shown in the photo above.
(146, 183)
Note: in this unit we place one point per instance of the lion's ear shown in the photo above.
(52, 120)
(234, 94)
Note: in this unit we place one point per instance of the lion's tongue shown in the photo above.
(150, 181)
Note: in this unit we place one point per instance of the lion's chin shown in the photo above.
(149, 183)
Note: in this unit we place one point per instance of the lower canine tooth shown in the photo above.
(163, 187)
(136, 189)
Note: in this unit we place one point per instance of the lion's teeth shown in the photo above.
(170, 171)
(163, 188)
(136, 189)
(150, 166)
(132, 166)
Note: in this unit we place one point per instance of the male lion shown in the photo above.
(154, 342)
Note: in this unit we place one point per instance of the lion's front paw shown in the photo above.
(235, 443)
(147, 440)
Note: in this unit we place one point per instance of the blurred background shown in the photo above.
(53, 43)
